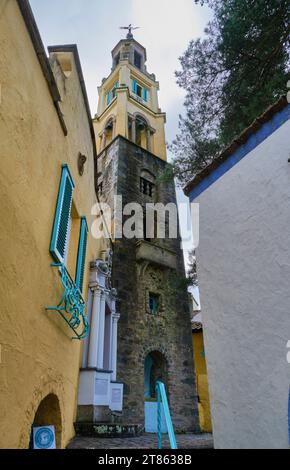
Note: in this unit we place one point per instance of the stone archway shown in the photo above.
(155, 369)
(50, 384)
(48, 413)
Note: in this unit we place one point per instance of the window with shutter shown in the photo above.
(153, 303)
(134, 86)
(62, 216)
(139, 91)
(66, 252)
(114, 89)
(81, 259)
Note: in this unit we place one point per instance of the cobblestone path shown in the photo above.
(147, 441)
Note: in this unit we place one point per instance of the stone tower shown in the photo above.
(154, 335)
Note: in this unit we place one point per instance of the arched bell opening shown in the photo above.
(108, 134)
(140, 132)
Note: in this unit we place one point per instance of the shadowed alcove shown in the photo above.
(49, 414)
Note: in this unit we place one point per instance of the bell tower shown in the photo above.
(154, 329)
(128, 101)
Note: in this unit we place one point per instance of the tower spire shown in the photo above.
(129, 28)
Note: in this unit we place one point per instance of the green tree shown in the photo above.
(231, 76)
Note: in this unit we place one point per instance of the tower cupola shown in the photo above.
(128, 100)
(132, 51)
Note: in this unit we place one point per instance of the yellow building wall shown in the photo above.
(124, 104)
(38, 356)
(155, 121)
(201, 382)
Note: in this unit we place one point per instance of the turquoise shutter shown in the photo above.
(145, 94)
(62, 216)
(81, 259)
(134, 86)
(114, 89)
(108, 98)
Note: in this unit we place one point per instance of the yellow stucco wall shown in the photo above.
(201, 382)
(38, 356)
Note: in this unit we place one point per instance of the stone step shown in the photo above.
(146, 441)
(108, 430)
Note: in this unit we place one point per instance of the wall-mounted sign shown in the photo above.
(116, 400)
(44, 437)
(101, 386)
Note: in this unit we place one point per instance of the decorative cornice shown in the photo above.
(136, 102)
(121, 137)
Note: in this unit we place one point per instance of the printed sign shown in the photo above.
(116, 402)
(101, 387)
(116, 396)
(44, 437)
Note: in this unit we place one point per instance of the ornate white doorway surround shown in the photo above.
(99, 391)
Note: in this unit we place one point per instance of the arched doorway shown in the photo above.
(48, 414)
(155, 368)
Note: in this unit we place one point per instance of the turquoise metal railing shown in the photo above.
(72, 305)
(162, 401)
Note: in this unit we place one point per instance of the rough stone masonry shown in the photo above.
(140, 268)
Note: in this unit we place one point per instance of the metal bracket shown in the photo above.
(72, 305)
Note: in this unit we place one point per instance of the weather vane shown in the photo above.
(129, 28)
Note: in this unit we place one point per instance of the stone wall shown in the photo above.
(140, 332)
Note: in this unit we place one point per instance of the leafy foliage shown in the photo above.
(192, 270)
(230, 77)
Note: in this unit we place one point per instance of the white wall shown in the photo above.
(244, 275)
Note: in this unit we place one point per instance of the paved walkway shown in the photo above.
(147, 441)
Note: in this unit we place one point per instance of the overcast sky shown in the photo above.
(167, 26)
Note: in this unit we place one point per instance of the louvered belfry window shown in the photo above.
(81, 259)
(62, 216)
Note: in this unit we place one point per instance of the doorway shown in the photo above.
(155, 369)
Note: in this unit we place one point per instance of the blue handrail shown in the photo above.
(162, 400)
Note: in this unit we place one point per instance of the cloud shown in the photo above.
(167, 26)
(166, 29)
